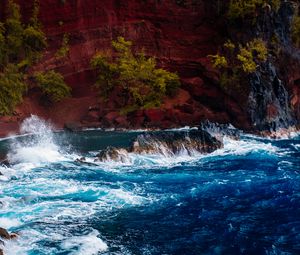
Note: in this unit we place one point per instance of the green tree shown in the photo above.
(144, 84)
(52, 85)
(12, 87)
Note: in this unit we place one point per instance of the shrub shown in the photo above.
(218, 61)
(53, 85)
(236, 61)
(248, 8)
(12, 87)
(254, 52)
(64, 50)
(137, 75)
(295, 30)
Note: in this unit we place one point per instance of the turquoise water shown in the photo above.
(242, 199)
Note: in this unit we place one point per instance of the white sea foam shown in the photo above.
(8, 223)
(243, 147)
(89, 244)
(40, 147)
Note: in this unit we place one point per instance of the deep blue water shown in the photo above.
(242, 199)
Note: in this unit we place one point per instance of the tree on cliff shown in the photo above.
(21, 46)
(144, 85)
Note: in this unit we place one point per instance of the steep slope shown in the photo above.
(180, 34)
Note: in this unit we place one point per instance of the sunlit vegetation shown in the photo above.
(234, 61)
(143, 83)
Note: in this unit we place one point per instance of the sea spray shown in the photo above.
(38, 146)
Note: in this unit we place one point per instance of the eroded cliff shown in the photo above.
(180, 34)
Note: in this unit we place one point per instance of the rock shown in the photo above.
(172, 143)
(4, 234)
(72, 127)
(1, 252)
(14, 235)
(114, 154)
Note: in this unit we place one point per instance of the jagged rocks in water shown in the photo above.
(220, 130)
(172, 143)
(115, 154)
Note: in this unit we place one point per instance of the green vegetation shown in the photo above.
(53, 85)
(21, 46)
(248, 8)
(63, 51)
(12, 87)
(142, 82)
(238, 60)
(295, 30)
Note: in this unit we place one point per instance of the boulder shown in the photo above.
(4, 233)
(114, 154)
(172, 143)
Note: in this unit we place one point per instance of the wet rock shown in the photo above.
(4, 233)
(115, 154)
(14, 235)
(1, 252)
(220, 130)
(172, 143)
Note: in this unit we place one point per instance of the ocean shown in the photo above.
(241, 199)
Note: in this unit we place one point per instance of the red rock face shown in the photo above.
(179, 36)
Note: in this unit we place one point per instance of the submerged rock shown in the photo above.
(172, 143)
(115, 154)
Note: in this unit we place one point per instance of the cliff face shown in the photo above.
(180, 34)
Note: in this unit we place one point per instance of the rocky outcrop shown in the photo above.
(167, 143)
(5, 235)
(113, 154)
(173, 143)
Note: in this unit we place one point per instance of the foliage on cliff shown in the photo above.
(21, 46)
(52, 84)
(142, 82)
(248, 8)
(235, 61)
(295, 29)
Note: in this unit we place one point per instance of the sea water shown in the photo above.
(241, 199)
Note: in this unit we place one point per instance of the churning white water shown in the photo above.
(39, 146)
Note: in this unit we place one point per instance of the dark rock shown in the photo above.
(13, 235)
(114, 154)
(173, 143)
(1, 252)
(4, 234)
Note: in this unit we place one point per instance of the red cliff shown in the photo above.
(180, 34)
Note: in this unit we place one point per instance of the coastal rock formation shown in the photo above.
(167, 143)
(114, 154)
